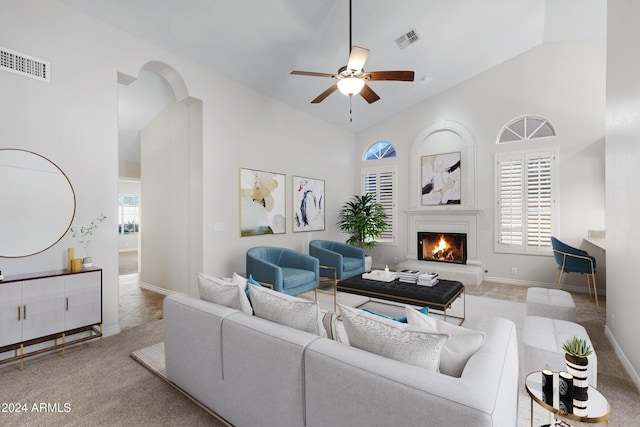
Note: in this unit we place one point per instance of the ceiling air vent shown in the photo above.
(407, 38)
(25, 65)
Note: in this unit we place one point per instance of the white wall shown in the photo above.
(623, 176)
(564, 82)
(73, 121)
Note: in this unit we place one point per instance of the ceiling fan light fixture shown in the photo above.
(350, 85)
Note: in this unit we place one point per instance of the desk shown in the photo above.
(598, 409)
(597, 238)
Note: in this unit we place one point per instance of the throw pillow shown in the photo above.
(245, 304)
(392, 339)
(460, 346)
(287, 310)
(219, 291)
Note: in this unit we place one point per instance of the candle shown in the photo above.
(69, 258)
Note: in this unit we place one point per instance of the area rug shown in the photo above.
(477, 310)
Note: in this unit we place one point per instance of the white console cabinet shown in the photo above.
(49, 307)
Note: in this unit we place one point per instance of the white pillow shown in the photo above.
(460, 346)
(392, 339)
(242, 282)
(287, 310)
(334, 328)
(219, 291)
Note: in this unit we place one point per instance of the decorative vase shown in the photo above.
(565, 389)
(547, 387)
(368, 262)
(578, 367)
(87, 262)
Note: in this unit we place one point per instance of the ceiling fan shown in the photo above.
(352, 78)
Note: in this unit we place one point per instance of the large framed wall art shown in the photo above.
(440, 179)
(262, 202)
(308, 204)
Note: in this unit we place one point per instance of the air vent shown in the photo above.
(408, 38)
(25, 65)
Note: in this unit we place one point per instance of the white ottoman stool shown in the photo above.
(543, 338)
(552, 303)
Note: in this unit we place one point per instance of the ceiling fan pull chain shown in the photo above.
(350, 110)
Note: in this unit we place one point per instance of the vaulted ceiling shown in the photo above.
(258, 42)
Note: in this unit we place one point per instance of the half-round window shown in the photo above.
(380, 150)
(526, 128)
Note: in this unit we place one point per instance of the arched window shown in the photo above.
(380, 150)
(526, 128)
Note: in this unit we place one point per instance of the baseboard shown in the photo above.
(112, 330)
(156, 289)
(623, 359)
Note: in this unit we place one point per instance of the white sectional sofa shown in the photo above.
(253, 372)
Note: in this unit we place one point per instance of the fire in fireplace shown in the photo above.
(442, 247)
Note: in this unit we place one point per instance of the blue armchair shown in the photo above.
(290, 272)
(346, 259)
(574, 260)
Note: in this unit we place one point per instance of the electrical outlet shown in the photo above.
(514, 270)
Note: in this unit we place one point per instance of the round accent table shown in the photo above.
(598, 409)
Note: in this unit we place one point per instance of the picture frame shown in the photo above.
(308, 204)
(262, 197)
(441, 179)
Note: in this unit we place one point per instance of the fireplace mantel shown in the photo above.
(442, 208)
(452, 219)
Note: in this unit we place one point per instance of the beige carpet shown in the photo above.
(99, 386)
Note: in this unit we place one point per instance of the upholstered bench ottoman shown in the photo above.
(552, 303)
(543, 338)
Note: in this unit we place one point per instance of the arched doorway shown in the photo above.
(155, 110)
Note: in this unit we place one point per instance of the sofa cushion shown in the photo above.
(287, 310)
(460, 346)
(391, 339)
(223, 292)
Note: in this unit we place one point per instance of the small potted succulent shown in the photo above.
(576, 352)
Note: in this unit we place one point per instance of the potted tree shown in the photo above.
(364, 220)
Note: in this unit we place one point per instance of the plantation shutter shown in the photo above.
(525, 205)
(539, 202)
(510, 202)
(380, 182)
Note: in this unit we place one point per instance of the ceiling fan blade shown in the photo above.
(313, 74)
(403, 76)
(324, 94)
(357, 58)
(368, 94)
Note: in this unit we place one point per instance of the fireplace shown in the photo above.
(442, 247)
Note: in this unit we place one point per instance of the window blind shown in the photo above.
(380, 182)
(525, 205)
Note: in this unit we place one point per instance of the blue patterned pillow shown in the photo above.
(402, 319)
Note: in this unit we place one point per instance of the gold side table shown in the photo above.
(598, 409)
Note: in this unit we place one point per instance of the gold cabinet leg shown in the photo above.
(63, 348)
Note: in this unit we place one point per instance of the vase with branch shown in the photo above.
(84, 235)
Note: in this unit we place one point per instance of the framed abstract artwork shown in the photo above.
(308, 204)
(262, 202)
(440, 179)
